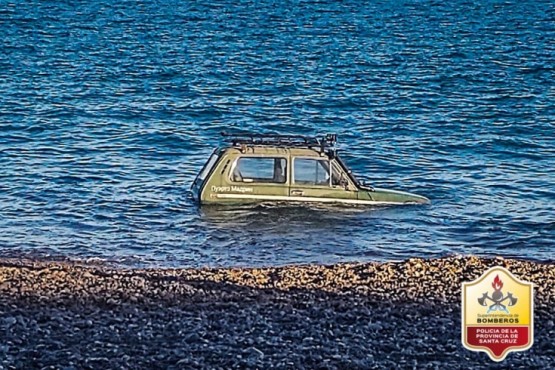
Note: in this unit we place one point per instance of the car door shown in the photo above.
(257, 178)
(320, 179)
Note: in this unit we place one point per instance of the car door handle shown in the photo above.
(297, 192)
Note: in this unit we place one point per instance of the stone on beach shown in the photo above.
(368, 315)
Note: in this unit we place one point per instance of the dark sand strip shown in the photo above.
(391, 315)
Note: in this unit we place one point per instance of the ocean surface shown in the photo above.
(108, 109)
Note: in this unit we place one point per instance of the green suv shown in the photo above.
(256, 168)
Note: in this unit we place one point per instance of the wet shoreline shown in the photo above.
(369, 315)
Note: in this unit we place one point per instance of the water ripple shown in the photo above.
(109, 109)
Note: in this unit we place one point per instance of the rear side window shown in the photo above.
(258, 169)
(311, 171)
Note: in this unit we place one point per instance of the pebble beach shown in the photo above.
(74, 315)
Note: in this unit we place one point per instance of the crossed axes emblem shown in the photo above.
(497, 297)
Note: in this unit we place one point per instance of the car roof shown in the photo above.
(257, 150)
(273, 144)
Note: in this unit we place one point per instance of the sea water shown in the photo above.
(108, 109)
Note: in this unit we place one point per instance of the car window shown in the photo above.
(338, 177)
(260, 169)
(208, 167)
(311, 171)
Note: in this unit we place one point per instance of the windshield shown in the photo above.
(347, 171)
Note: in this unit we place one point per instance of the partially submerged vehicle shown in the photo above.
(283, 168)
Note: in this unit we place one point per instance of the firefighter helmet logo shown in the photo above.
(497, 297)
(498, 321)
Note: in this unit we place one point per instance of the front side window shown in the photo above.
(260, 169)
(308, 171)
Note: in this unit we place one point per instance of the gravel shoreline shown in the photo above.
(64, 315)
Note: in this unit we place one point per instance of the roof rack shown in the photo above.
(325, 142)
